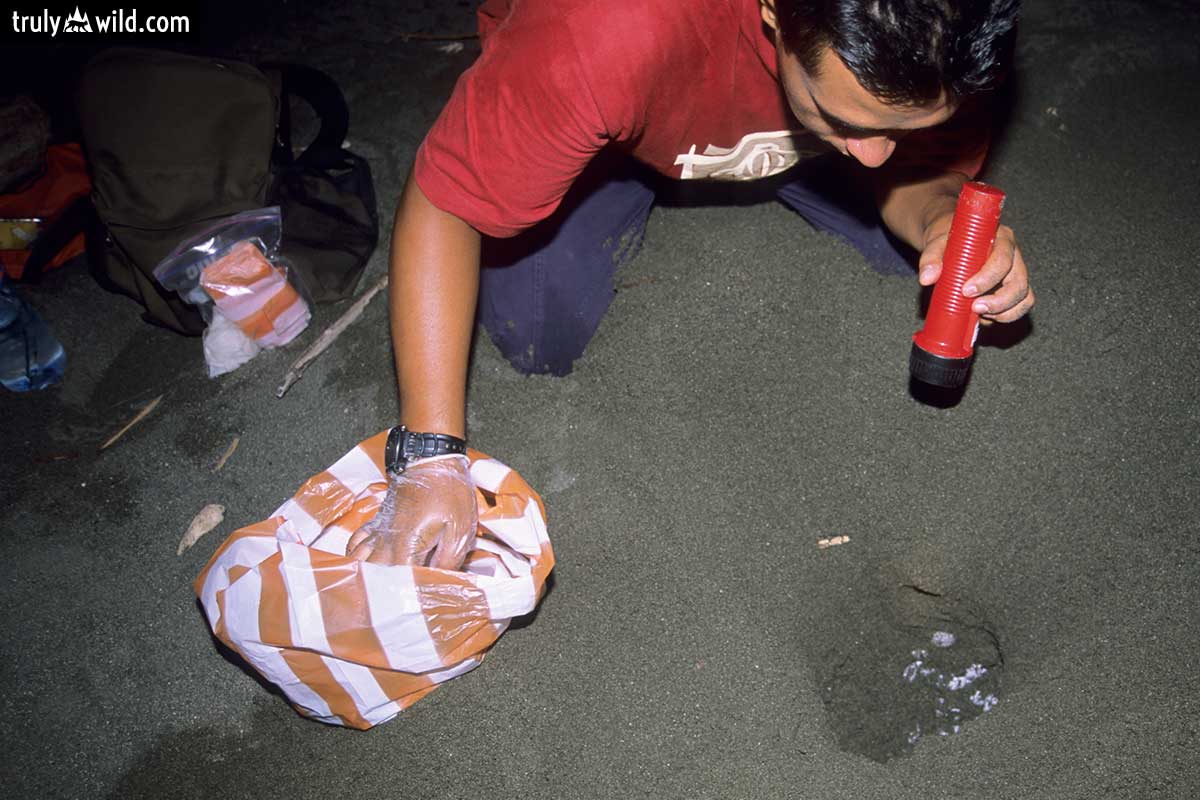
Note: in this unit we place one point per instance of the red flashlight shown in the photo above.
(942, 350)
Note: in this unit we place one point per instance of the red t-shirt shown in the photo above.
(689, 88)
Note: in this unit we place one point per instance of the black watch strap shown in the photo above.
(405, 446)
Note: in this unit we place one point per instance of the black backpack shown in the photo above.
(175, 141)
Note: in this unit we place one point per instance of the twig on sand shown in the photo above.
(209, 517)
(50, 458)
(141, 415)
(328, 336)
(436, 37)
(833, 541)
(228, 452)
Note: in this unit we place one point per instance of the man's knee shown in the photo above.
(543, 293)
(539, 349)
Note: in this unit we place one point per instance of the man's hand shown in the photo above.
(1004, 272)
(428, 517)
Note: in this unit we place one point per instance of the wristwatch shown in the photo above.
(405, 446)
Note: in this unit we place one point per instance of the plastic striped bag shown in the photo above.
(353, 643)
(255, 294)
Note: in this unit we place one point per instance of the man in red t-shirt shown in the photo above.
(879, 105)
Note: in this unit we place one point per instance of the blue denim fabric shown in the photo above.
(544, 292)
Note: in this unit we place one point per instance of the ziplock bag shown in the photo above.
(233, 273)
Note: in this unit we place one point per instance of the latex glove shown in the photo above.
(1001, 287)
(427, 517)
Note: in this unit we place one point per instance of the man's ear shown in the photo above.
(767, 8)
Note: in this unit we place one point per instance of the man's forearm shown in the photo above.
(908, 206)
(432, 292)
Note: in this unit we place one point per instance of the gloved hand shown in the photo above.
(427, 517)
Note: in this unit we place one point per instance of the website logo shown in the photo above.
(77, 23)
(120, 21)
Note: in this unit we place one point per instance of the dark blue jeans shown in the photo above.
(543, 293)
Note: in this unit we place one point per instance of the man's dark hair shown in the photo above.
(906, 52)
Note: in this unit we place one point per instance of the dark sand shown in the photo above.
(696, 643)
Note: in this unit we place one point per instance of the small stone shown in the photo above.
(944, 638)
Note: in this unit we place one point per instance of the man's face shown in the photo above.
(833, 105)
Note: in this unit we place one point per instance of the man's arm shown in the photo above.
(909, 207)
(429, 510)
(432, 293)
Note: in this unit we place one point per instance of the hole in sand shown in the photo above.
(928, 670)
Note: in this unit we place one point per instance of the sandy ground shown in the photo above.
(746, 396)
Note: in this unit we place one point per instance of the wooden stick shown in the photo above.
(228, 452)
(832, 541)
(141, 415)
(436, 37)
(328, 336)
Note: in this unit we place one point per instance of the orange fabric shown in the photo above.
(64, 180)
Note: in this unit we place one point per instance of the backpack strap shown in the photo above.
(322, 93)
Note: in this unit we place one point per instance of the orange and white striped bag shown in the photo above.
(353, 643)
(255, 294)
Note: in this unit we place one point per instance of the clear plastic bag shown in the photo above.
(233, 273)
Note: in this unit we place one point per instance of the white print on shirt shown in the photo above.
(757, 155)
